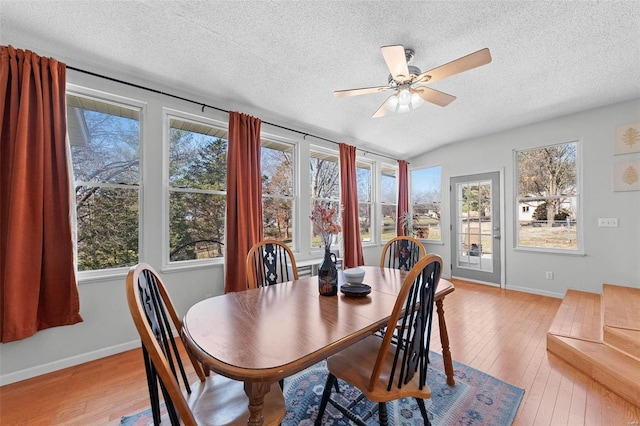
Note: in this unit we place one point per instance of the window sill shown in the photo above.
(576, 253)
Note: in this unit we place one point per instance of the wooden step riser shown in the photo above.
(627, 341)
(623, 378)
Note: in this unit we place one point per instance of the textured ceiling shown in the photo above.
(281, 61)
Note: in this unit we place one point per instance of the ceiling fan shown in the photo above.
(409, 83)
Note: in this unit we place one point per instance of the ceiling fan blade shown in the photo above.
(362, 91)
(381, 111)
(473, 60)
(435, 96)
(396, 61)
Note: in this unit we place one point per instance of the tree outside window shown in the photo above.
(389, 202)
(104, 140)
(547, 199)
(426, 203)
(278, 196)
(197, 189)
(324, 186)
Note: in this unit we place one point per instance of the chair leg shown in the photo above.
(382, 413)
(423, 411)
(331, 379)
(337, 386)
(152, 383)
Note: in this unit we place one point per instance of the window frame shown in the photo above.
(373, 208)
(412, 204)
(382, 204)
(167, 115)
(295, 196)
(119, 101)
(337, 241)
(579, 250)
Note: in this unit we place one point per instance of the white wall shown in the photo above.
(612, 255)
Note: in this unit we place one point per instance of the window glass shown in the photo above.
(105, 140)
(278, 196)
(389, 201)
(426, 202)
(548, 197)
(197, 189)
(324, 182)
(364, 185)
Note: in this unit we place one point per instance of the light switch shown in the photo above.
(610, 222)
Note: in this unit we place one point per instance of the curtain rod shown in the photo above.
(305, 134)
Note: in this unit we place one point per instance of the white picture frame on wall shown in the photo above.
(626, 176)
(626, 139)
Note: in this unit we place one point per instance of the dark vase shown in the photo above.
(328, 275)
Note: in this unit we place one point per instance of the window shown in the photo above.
(324, 182)
(105, 139)
(389, 201)
(278, 193)
(363, 183)
(426, 202)
(548, 198)
(197, 189)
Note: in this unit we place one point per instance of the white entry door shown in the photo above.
(475, 227)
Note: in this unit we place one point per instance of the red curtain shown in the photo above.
(403, 194)
(38, 285)
(349, 198)
(244, 198)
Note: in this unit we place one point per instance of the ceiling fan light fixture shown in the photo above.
(403, 108)
(392, 103)
(404, 97)
(416, 100)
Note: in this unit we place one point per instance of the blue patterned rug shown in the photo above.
(476, 399)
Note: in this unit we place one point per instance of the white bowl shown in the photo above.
(354, 275)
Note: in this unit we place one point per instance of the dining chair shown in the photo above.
(270, 262)
(212, 400)
(385, 371)
(402, 252)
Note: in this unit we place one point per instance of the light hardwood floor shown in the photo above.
(497, 331)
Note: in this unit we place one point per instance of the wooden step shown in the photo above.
(579, 317)
(600, 336)
(606, 365)
(621, 318)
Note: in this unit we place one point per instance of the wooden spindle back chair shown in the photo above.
(270, 262)
(212, 400)
(402, 253)
(383, 370)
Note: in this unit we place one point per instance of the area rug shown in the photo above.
(476, 399)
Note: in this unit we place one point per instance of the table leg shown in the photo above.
(444, 339)
(256, 392)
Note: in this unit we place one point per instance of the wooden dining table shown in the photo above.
(262, 335)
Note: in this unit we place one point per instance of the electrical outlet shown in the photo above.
(608, 222)
(548, 275)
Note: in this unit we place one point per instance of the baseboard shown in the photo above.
(66, 362)
(536, 291)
